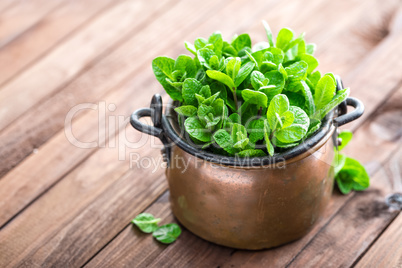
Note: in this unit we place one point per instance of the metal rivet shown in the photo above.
(394, 201)
(339, 141)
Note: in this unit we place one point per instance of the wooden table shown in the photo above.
(89, 61)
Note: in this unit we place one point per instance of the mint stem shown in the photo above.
(235, 98)
(260, 111)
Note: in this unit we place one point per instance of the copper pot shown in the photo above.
(250, 203)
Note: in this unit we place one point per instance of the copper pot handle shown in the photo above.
(155, 112)
(349, 117)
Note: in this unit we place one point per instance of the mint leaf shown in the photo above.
(196, 129)
(255, 97)
(269, 33)
(224, 140)
(216, 40)
(324, 91)
(297, 71)
(267, 133)
(251, 153)
(191, 86)
(310, 48)
(277, 80)
(241, 42)
(352, 176)
(200, 43)
(311, 62)
(185, 64)
(233, 67)
(274, 55)
(258, 80)
(244, 71)
(239, 136)
(167, 233)
(313, 78)
(163, 68)
(313, 127)
(186, 110)
(221, 77)
(300, 116)
(190, 48)
(287, 118)
(297, 130)
(146, 222)
(256, 130)
(283, 39)
(291, 134)
(346, 136)
(205, 55)
(228, 50)
(278, 105)
(338, 98)
(309, 100)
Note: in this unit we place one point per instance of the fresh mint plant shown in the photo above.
(349, 173)
(245, 100)
(165, 234)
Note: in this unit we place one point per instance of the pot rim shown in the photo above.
(163, 129)
(309, 145)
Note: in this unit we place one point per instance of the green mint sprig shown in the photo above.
(241, 100)
(349, 173)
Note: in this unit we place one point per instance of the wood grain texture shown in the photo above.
(387, 251)
(46, 119)
(278, 258)
(334, 243)
(20, 189)
(69, 206)
(50, 214)
(84, 48)
(23, 50)
(32, 130)
(35, 128)
(19, 17)
(366, 214)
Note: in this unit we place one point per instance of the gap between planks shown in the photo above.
(83, 51)
(47, 34)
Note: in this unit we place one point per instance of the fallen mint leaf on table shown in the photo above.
(146, 222)
(168, 233)
(349, 173)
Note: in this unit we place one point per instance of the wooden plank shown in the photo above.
(6, 4)
(134, 248)
(35, 128)
(56, 69)
(56, 189)
(18, 189)
(42, 204)
(21, 16)
(356, 226)
(324, 242)
(365, 76)
(127, 246)
(124, 252)
(19, 192)
(41, 38)
(387, 251)
(370, 155)
(65, 202)
(66, 184)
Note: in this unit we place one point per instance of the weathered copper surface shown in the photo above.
(251, 208)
